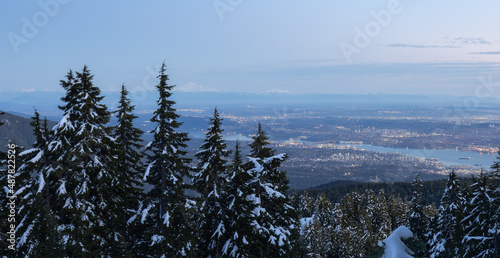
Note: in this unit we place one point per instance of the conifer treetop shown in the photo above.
(259, 144)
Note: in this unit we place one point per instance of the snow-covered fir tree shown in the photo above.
(363, 221)
(398, 211)
(36, 229)
(418, 221)
(306, 205)
(128, 183)
(82, 161)
(166, 212)
(479, 218)
(240, 217)
(275, 218)
(447, 238)
(323, 240)
(382, 226)
(350, 228)
(369, 216)
(495, 183)
(210, 181)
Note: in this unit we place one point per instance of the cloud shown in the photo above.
(276, 90)
(27, 90)
(421, 46)
(486, 53)
(193, 87)
(471, 40)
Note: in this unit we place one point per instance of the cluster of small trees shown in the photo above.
(87, 189)
(466, 223)
(351, 228)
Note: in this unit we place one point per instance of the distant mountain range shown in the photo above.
(46, 102)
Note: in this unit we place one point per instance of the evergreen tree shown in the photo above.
(323, 241)
(275, 217)
(127, 186)
(369, 215)
(381, 220)
(350, 228)
(446, 241)
(398, 212)
(417, 220)
(306, 205)
(84, 169)
(240, 210)
(36, 231)
(479, 218)
(211, 180)
(165, 211)
(381, 225)
(495, 183)
(364, 220)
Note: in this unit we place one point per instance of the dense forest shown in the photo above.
(432, 191)
(88, 189)
(465, 224)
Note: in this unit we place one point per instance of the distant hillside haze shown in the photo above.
(17, 130)
(46, 102)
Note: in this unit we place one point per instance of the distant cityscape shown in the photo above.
(323, 139)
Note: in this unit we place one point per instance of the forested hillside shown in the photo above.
(432, 191)
(16, 129)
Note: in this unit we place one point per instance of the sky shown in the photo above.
(286, 46)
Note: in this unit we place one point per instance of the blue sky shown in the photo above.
(404, 47)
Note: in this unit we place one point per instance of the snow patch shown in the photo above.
(41, 183)
(166, 219)
(156, 239)
(394, 246)
(145, 213)
(37, 157)
(146, 174)
(62, 188)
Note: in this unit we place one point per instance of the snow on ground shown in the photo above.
(394, 246)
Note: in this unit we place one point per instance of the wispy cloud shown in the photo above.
(486, 53)
(421, 46)
(276, 90)
(194, 87)
(472, 40)
(28, 90)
